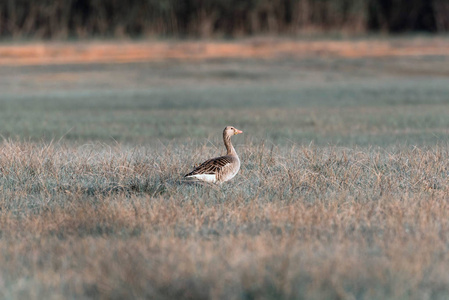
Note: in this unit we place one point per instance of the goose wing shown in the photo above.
(212, 166)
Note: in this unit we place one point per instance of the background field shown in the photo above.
(342, 193)
(362, 92)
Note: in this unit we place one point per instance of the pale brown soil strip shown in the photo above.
(40, 53)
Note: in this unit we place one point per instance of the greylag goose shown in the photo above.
(219, 169)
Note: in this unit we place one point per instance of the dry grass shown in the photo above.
(303, 219)
(266, 48)
(297, 222)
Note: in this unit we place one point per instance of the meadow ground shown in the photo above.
(343, 191)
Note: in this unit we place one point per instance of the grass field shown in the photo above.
(342, 194)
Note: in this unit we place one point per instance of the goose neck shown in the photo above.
(229, 147)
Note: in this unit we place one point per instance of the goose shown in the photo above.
(219, 169)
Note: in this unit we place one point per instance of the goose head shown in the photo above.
(230, 131)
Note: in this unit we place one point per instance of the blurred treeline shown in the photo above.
(204, 18)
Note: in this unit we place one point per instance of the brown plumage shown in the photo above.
(219, 169)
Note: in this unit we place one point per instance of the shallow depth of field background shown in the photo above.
(343, 188)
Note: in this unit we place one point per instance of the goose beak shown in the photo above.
(238, 131)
